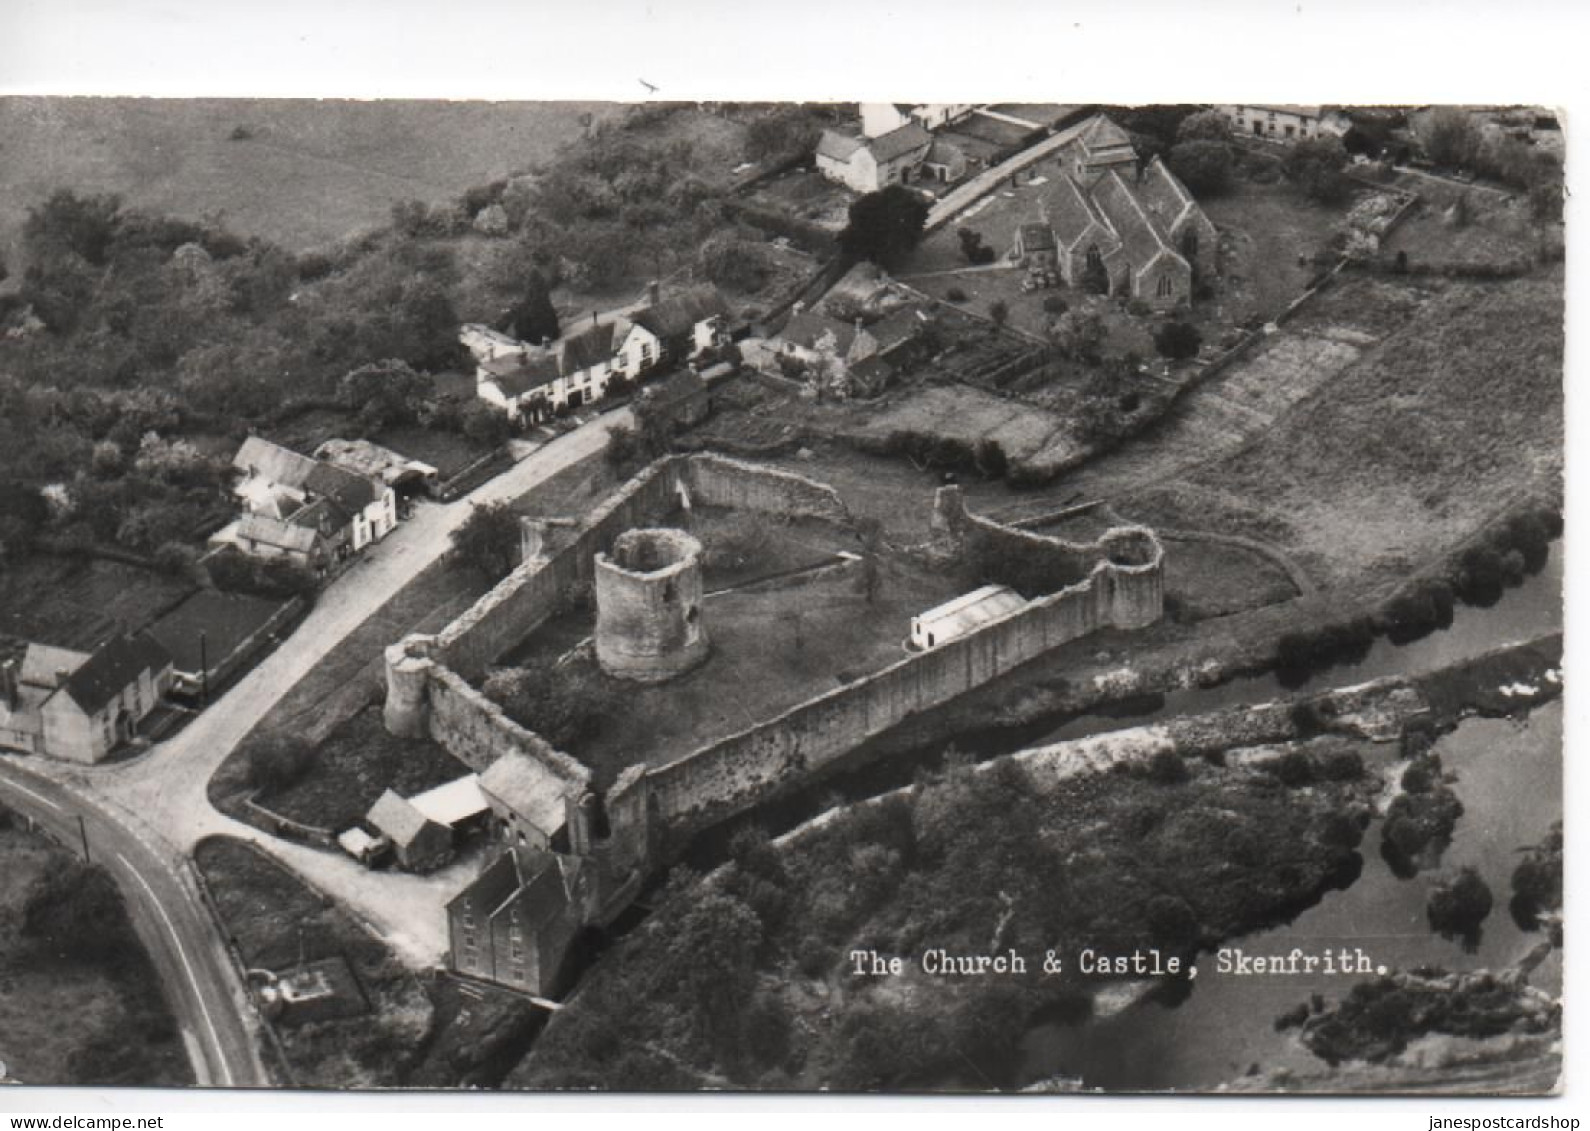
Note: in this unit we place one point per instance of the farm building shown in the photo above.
(306, 509)
(420, 844)
(964, 614)
(869, 164)
(1286, 123)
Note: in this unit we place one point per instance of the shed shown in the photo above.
(459, 804)
(420, 843)
(963, 615)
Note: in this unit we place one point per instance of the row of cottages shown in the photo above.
(81, 706)
(903, 155)
(1286, 123)
(1134, 227)
(310, 511)
(854, 358)
(530, 382)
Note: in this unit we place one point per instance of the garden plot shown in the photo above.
(970, 415)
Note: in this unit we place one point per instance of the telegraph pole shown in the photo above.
(82, 831)
(204, 668)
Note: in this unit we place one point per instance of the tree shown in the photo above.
(1205, 125)
(782, 134)
(1178, 341)
(999, 312)
(83, 226)
(1449, 137)
(870, 531)
(1079, 334)
(276, 761)
(1315, 165)
(1205, 166)
(730, 261)
(76, 912)
(563, 703)
(885, 226)
(1458, 906)
(533, 318)
(971, 244)
(1095, 279)
(484, 424)
(489, 540)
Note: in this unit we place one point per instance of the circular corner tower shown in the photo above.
(648, 606)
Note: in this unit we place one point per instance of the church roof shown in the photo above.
(1143, 244)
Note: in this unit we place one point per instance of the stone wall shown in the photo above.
(717, 481)
(475, 731)
(744, 769)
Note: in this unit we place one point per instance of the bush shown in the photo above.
(277, 761)
(955, 294)
(1178, 341)
(1054, 304)
(1459, 906)
(489, 540)
(1339, 763)
(1203, 165)
(1166, 767)
(565, 704)
(1293, 769)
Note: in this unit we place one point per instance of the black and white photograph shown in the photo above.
(675, 595)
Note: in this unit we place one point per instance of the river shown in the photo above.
(1509, 778)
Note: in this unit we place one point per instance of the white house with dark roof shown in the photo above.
(1285, 122)
(81, 706)
(867, 164)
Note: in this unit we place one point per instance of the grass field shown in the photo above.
(354, 765)
(71, 1023)
(308, 173)
(1449, 420)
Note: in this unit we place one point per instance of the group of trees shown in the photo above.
(563, 703)
(1201, 156)
(1451, 138)
(885, 226)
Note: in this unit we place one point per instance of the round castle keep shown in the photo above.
(648, 606)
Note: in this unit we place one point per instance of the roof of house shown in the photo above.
(588, 348)
(898, 142)
(258, 456)
(839, 147)
(324, 515)
(944, 152)
(898, 327)
(516, 376)
(678, 314)
(456, 801)
(397, 819)
(1102, 137)
(372, 460)
(43, 662)
(281, 533)
(1037, 237)
(1141, 241)
(809, 327)
(1071, 211)
(109, 671)
(528, 789)
(970, 610)
(1163, 196)
(350, 491)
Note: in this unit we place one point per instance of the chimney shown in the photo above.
(8, 684)
(653, 289)
(61, 675)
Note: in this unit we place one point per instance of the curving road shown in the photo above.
(204, 993)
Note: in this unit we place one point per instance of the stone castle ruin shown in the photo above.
(648, 606)
(647, 583)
